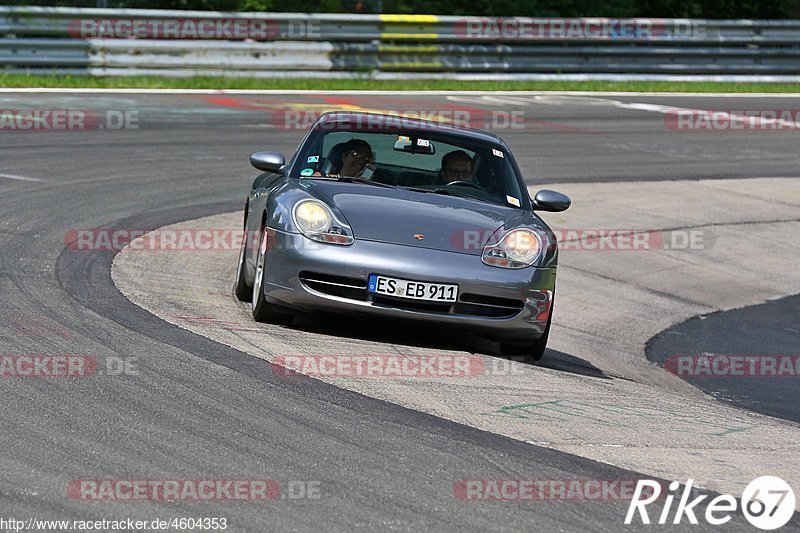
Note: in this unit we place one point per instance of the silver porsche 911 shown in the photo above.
(405, 219)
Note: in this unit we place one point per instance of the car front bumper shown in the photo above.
(309, 276)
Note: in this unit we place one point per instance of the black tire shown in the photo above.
(263, 311)
(530, 351)
(243, 291)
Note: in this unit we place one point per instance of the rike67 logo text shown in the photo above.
(768, 503)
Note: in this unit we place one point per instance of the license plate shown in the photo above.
(413, 290)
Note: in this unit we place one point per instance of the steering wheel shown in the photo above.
(471, 184)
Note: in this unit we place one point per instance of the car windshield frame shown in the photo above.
(309, 156)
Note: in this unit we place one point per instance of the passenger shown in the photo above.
(348, 159)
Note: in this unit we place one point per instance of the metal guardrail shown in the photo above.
(526, 58)
(44, 52)
(274, 44)
(248, 56)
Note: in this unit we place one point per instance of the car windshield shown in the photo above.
(427, 161)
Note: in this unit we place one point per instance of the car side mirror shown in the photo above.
(546, 200)
(268, 161)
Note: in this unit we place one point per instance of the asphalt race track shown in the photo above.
(200, 401)
(761, 330)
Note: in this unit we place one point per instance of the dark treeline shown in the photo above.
(712, 9)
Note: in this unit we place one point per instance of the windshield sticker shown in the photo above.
(313, 159)
(423, 142)
(307, 172)
(512, 200)
(498, 153)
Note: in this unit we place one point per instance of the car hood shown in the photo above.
(425, 220)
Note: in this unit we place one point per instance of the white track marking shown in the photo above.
(499, 100)
(728, 116)
(559, 99)
(19, 178)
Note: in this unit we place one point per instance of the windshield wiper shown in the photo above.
(364, 180)
(436, 191)
(350, 179)
(447, 192)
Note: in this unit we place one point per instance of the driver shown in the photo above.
(457, 166)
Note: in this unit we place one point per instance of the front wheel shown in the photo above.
(263, 311)
(530, 351)
(243, 291)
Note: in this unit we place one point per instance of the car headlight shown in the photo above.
(518, 248)
(316, 221)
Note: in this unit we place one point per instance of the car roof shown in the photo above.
(373, 119)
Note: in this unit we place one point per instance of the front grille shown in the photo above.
(344, 287)
(412, 305)
(489, 306)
